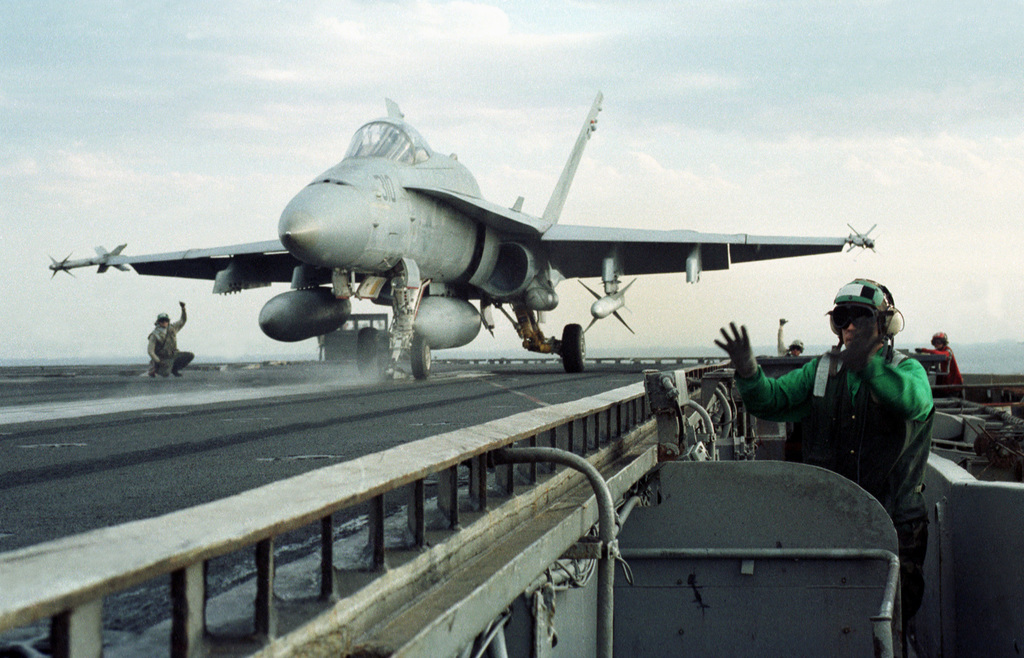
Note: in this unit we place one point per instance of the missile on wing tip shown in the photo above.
(102, 260)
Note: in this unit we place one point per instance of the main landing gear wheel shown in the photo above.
(368, 353)
(419, 357)
(574, 348)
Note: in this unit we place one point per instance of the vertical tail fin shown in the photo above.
(557, 201)
(393, 111)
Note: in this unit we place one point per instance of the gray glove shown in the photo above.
(738, 347)
(862, 345)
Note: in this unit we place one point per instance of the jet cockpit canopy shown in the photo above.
(388, 139)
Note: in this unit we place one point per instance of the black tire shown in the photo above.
(368, 355)
(574, 348)
(419, 357)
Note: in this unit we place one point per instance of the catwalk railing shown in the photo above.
(66, 580)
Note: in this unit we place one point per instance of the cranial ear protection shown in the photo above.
(893, 322)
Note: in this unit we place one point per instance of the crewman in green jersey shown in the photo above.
(866, 411)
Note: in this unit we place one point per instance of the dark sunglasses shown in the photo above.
(842, 316)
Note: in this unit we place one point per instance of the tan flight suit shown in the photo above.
(165, 357)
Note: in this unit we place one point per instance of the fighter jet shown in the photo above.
(402, 225)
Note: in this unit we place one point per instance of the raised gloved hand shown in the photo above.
(862, 345)
(738, 347)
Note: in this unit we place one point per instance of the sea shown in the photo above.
(998, 358)
(1004, 358)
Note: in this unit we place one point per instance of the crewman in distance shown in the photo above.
(795, 348)
(949, 372)
(165, 357)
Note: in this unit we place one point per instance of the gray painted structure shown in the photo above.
(734, 557)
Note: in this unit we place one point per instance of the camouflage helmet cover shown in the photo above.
(864, 292)
(870, 294)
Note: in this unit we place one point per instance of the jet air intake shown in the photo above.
(300, 314)
(514, 269)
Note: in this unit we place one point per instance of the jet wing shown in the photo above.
(578, 251)
(232, 268)
(497, 217)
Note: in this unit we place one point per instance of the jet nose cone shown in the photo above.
(324, 225)
(299, 233)
(300, 227)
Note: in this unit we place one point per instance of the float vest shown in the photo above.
(169, 346)
(861, 439)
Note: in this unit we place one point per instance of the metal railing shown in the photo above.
(66, 580)
(717, 361)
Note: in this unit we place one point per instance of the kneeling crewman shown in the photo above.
(165, 358)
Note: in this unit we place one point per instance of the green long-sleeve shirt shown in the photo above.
(872, 426)
(903, 387)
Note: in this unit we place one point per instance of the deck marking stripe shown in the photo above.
(539, 403)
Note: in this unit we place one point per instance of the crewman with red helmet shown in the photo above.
(949, 372)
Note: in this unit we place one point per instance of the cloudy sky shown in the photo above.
(177, 125)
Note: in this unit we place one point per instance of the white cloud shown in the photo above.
(456, 21)
(345, 30)
(174, 126)
(19, 168)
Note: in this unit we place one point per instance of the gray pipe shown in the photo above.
(727, 416)
(626, 509)
(605, 529)
(706, 417)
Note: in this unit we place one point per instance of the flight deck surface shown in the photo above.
(86, 447)
(90, 446)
